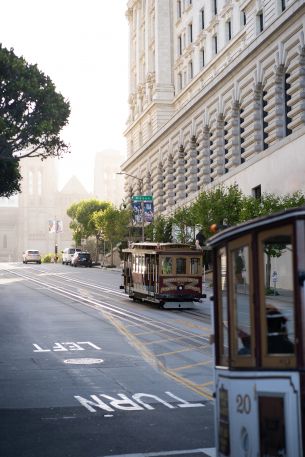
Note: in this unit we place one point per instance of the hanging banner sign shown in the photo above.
(55, 226)
(142, 208)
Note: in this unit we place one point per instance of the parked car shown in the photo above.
(81, 259)
(67, 255)
(31, 255)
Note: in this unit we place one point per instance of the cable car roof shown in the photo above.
(154, 247)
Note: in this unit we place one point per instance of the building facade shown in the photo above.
(26, 224)
(108, 185)
(216, 96)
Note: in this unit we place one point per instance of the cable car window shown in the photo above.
(180, 266)
(223, 343)
(277, 290)
(167, 265)
(195, 266)
(242, 304)
(141, 264)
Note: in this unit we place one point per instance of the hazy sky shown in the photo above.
(83, 47)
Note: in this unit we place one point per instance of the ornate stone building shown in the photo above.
(25, 225)
(108, 185)
(217, 95)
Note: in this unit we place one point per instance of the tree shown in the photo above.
(82, 224)
(160, 230)
(268, 204)
(112, 223)
(10, 178)
(184, 226)
(221, 205)
(32, 114)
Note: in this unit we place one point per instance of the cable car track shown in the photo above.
(130, 322)
(114, 310)
(193, 313)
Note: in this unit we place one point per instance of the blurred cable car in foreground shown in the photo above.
(259, 325)
(166, 274)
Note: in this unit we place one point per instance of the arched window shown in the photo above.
(264, 121)
(202, 58)
(287, 106)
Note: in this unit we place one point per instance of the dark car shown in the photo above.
(81, 259)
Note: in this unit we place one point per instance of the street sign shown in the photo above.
(140, 198)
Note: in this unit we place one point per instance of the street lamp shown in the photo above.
(142, 201)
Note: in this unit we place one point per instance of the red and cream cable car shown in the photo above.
(259, 323)
(167, 274)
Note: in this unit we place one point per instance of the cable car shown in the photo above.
(259, 334)
(166, 274)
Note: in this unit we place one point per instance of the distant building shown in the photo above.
(26, 226)
(72, 192)
(108, 185)
(216, 96)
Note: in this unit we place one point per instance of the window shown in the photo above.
(195, 266)
(179, 8)
(257, 192)
(260, 22)
(202, 19)
(277, 297)
(202, 58)
(190, 66)
(241, 133)
(283, 5)
(179, 45)
(264, 116)
(167, 265)
(190, 33)
(222, 315)
(287, 105)
(214, 6)
(243, 18)
(181, 266)
(228, 30)
(241, 303)
(180, 82)
(215, 44)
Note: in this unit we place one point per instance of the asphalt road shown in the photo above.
(73, 384)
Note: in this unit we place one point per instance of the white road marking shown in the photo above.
(135, 403)
(83, 361)
(71, 346)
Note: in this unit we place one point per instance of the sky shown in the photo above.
(83, 47)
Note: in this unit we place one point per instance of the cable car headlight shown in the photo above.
(180, 287)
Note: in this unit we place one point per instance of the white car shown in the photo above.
(67, 255)
(31, 255)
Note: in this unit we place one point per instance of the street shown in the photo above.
(86, 372)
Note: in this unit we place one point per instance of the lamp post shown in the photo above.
(142, 201)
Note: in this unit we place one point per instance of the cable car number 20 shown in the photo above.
(243, 404)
